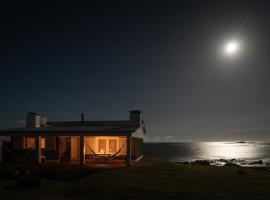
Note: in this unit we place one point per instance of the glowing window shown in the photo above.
(101, 146)
(42, 143)
(30, 143)
(112, 145)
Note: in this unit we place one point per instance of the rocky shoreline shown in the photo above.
(229, 162)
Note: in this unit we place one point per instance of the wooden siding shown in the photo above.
(17, 142)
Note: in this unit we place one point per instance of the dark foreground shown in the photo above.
(150, 180)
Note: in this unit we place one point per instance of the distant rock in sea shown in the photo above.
(201, 162)
(243, 142)
(258, 162)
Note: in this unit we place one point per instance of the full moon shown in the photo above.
(231, 47)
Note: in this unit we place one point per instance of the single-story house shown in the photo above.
(66, 141)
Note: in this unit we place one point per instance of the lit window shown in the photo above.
(42, 143)
(30, 143)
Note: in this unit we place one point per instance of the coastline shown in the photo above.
(241, 153)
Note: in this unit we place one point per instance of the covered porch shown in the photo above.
(80, 148)
(95, 149)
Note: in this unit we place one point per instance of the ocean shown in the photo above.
(216, 153)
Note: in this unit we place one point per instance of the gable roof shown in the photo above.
(88, 123)
(76, 128)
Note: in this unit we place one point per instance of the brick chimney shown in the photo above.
(135, 117)
(33, 120)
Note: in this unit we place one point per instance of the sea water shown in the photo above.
(216, 153)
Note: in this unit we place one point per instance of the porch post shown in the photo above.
(38, 149)
(82, 151)
(129, 150)
(1, 148)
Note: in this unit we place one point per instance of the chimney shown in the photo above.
(82, 117)
(43, 121)
(33, 120)
(135, 117)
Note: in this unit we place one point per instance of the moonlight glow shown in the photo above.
(231, 47)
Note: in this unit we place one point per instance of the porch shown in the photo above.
(82, 149)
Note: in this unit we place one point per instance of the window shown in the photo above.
(102, 146)
(112, 145)
(30, 143)
(42, 143)
(107, 145)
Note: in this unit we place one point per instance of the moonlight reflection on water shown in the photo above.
(217, 150)
(247, 151)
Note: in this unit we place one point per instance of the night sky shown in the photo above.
(162, 57)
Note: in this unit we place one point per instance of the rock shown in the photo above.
(185, 162)
(201, 162)
(259, 162)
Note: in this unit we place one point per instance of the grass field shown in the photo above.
(153, 180)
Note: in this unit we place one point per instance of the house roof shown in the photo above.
(76, 128)
(88, 123)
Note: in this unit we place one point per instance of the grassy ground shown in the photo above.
(155, 180)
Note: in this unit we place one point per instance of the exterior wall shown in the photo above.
(138, 133)
(51, 148)
(50, 151)
(137, 148)
(7, 153)
(17, 142)
(51, 154)
(137, 143)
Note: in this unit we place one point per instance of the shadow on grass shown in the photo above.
(28, 177)
(70, 175)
